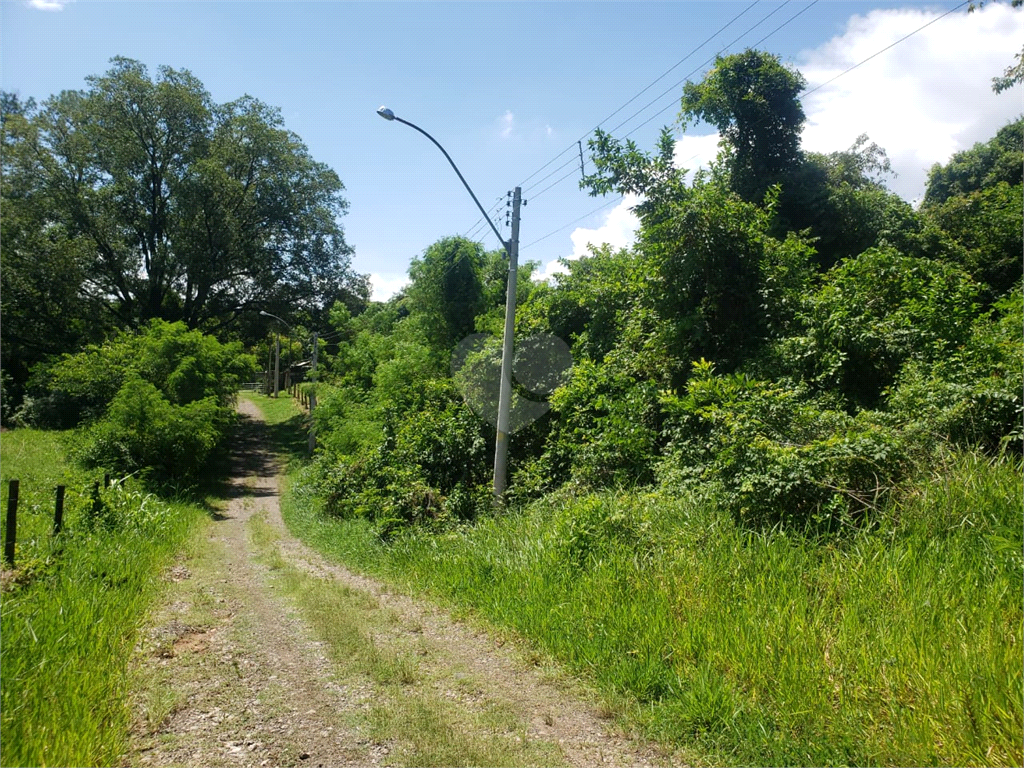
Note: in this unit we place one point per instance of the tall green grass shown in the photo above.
(900, 644)
(71, 616)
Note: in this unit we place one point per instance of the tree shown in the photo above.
(983, 165)
(446, 290)
(189, 210)
(753, 100)
(42, 304)
(988, 224)
(976, 200)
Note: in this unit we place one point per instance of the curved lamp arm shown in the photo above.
(387, 114)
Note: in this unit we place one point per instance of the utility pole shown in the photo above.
(505, 394)
(277, 362)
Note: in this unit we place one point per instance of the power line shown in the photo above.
(483, 220)
(673, 87)
(812, 90)
(556, 182)
(637, 95)
(566, 226)
(665, 109)
(697, 69)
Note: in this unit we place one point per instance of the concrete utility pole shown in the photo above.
(270, 364)
(505, 394)
(512, 249)
(277, 344)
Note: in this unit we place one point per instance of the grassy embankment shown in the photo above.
(73, 608)
(898, 645)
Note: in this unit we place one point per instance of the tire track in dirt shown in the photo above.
(232, 675)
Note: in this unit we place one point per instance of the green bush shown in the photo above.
(872, 316)
(186, 366)
(771, 456)
(144, 432)
(605, 430)
(973, 396)
(430, 465)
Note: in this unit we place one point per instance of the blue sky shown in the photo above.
(506, 87)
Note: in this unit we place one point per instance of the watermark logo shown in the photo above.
(540, 364)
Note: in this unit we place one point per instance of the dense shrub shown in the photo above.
(144, 432)
(605, 428)
(186, 366)
(156, 402)
(771, 456)
(429, 466)
(973, 396)
(873, 315)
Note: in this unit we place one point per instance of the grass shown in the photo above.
(898, 645)
(72, 610)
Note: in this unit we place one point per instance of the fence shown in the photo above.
(11, 533)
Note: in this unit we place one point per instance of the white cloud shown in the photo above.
(921, 101)
(387, 285)
(617, 230)
(695, 152)
(925, 99)
(548, 130)
(507, 122)
(48, 5)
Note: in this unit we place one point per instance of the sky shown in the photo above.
(509, 88)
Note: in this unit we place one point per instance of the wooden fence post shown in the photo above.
(97, 502)
(12, 522)
(58, 511)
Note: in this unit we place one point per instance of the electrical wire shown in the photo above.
(869, 58)
(812, 90)
(675, 86)
(697, 69)
(666, 108)
(638, 94)
(574, 221)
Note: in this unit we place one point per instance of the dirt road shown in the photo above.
(264, 654)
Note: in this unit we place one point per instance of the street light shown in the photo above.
(512, 249)
(277, 359)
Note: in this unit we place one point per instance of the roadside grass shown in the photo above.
(72, 611)
(897, 645)
(424, 728)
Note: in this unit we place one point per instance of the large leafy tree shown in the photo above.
(753, 100)
(447, 290)
(184, 209)
(976, 200)
(1001, 159)
(44, 263)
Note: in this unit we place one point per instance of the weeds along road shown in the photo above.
(262, 653)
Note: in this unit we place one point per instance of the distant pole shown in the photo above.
(312, 373)
(288, 360)
(277, 362)
(12, 522)
(505, 393)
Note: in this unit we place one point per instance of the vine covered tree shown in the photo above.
(753, 100)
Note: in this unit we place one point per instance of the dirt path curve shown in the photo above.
(232, 674)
